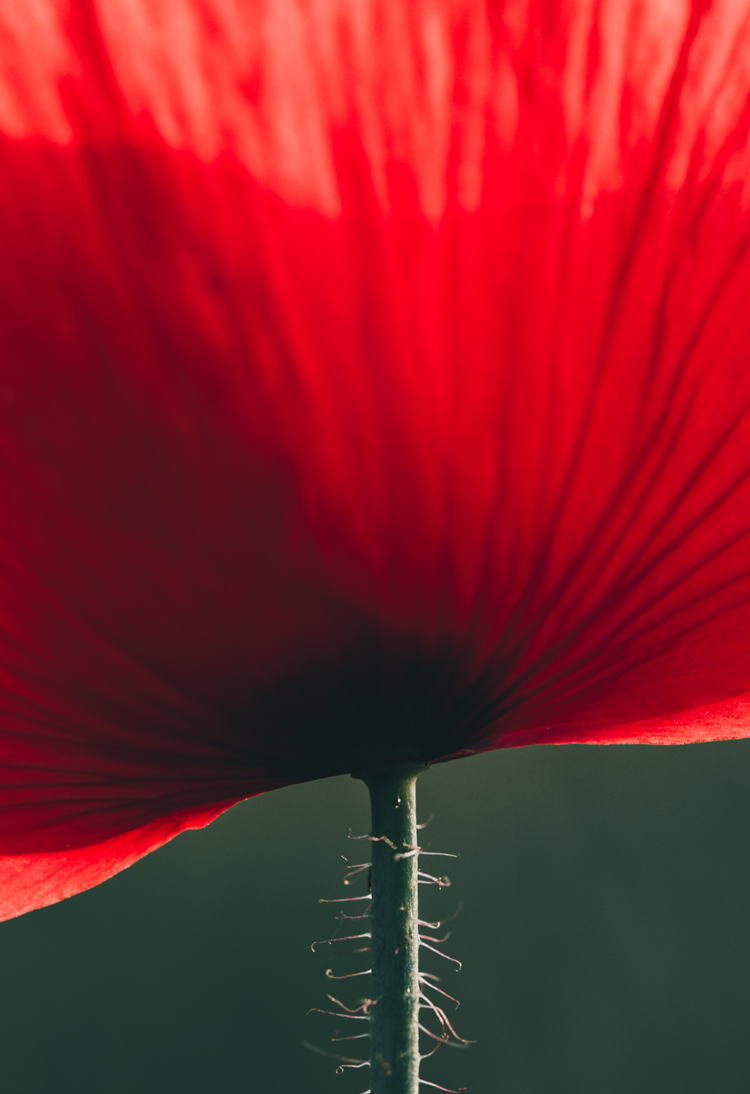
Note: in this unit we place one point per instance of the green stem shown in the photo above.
(394, 1032)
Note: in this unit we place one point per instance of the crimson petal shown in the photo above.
(375, 385)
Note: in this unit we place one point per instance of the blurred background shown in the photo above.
(604, 935)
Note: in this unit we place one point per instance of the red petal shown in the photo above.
(374, 383)
(34, 880)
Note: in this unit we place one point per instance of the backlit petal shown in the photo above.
(375, 383)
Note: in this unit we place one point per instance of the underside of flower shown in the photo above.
(375, 388)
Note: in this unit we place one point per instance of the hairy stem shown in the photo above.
(394, 1032)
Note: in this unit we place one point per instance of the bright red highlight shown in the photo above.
(375, 382)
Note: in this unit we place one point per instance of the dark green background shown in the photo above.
(605, 935)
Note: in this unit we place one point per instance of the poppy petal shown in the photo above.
(374, 385)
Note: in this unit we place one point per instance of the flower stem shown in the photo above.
(394, 1032)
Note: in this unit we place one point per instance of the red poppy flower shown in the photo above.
(375, 385)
